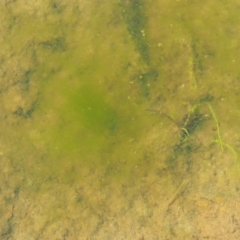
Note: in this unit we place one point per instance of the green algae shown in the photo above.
(93, 81)
(76, 80)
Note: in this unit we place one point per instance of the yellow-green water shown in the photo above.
(112, 111)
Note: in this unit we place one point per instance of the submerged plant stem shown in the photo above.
(217, 124)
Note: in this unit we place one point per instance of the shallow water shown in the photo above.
(119, 119)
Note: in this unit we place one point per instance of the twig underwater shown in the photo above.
(217, 124)
(165, 115)
(179, 126)
(182, 187)
(189, 123)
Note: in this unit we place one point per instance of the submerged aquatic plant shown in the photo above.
(191, 121)
(220, 141)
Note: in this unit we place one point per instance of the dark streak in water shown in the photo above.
(135, 20)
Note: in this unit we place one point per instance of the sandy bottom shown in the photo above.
(201, 203)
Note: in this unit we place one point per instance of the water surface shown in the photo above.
(119, 119)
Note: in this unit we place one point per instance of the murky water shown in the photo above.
(119, 119)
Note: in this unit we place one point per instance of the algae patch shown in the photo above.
(135, 20)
